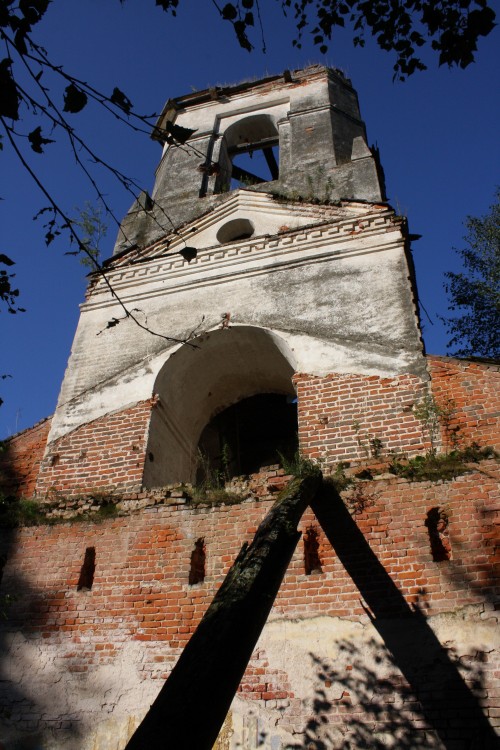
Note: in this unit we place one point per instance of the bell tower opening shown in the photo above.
(249, 153)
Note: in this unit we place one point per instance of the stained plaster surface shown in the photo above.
(322, 149)
(99, 709)
(334, 293)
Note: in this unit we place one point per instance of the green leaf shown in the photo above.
(74, 99)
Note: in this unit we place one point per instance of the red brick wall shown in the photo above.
(20, 461)
(474, 390)
(341, 418)
(141, 592)
(105, 454)
(341, 415)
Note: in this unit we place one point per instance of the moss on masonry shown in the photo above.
(16, 512)
(436, 467)
(98, 506)
(20, 512)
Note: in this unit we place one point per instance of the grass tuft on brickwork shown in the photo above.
(106, 510)
(16, 512)
(299, 465)
(440, 466)
(20, 512)
(340, 480)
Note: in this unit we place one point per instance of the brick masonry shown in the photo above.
(106, 454)
(342, 417)
(351, 417)
(21, 459)
(473, 389)
(367, 648)
(140, 594)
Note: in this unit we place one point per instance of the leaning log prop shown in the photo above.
(192, 705)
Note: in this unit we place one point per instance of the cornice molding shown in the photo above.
(316, 243)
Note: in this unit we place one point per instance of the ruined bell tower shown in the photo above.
(260, 299)
(264, 261)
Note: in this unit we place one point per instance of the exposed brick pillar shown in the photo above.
(106, 454)
(358, 417)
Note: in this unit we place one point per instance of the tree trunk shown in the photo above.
(192, 705)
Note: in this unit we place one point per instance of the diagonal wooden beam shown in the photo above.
(271, 162)
(192, 705)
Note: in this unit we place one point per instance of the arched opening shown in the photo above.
(252, 433)
(200, 381)
(249, 154)
(236, 229)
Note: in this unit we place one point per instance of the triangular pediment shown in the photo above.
(248, 213)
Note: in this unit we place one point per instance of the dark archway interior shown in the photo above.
(252, 433)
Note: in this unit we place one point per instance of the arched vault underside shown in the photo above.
(198, 381)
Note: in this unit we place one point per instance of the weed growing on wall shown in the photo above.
(432, 415)
(371, 445)
(339, 478)
(444, 466)
(299, 465)
(210, 486)
(16, 512)
(20, 512)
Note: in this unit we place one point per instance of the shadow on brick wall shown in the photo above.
(444, 701)
(482, 577)
(27, 720)
(370, 705)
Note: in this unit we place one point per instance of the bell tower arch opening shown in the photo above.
(227, 394)
(249, 153)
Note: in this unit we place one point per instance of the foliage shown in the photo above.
(298, 465)
(475, 291)
(452, 27)
(339, 478)
(106, 510)
(434, 467)
(371, 445)
(20, 512)
(215, 496)
(210, 477)
(16, 512)
(40, 93)
(30, 108)
(210, 487)
(93, 229)
(8, 293)
(431, 414)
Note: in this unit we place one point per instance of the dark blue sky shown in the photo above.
(437, 134)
